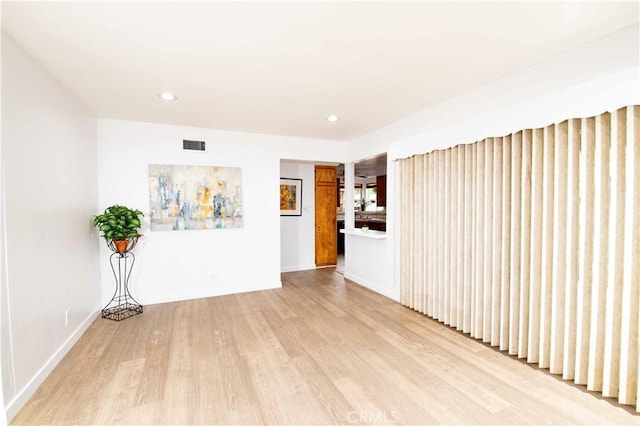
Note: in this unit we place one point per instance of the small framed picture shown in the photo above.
(290, 197)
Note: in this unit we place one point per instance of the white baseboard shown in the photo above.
(297, 268)
(21, 398)
(219, 291)
(371, 286)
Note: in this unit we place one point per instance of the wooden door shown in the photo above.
(326, 206)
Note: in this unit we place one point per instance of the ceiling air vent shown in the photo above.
(193, 145)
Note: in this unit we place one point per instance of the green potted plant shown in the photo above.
(119, 225)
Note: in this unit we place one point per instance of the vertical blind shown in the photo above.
(531, 242)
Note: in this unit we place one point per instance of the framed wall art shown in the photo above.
(290, 197)
(195, 197)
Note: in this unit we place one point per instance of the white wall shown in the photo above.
(49, 162)
(582, 82)
(367, 263)
(590, 98)
(4, 318)
(177, 265)
(297, 233)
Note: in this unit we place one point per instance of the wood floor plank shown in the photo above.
(121, 392)
(321, 350)
(209, 393)
(324, 389)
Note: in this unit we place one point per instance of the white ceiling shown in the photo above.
(282, 67)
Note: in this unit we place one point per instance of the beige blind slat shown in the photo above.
(572, 226)
(440, 257)
(616, 238)
(479, 247)
(487, 266)
(512, 260)
(585, 248)
(446, 239)
(525, 245)
(508, 336)
(549, 186)
(433, 241)
(452, 314)
(559, 260)
(535, 278)
(495, 282)
(469, 231)
(461, 216)
(600, 252)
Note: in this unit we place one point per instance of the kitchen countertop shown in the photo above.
(366, 219)
(369, 233)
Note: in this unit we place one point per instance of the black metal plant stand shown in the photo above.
(122, 304)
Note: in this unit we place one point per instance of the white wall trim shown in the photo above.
(22, 396)
(371, 286)
(219, 291)
(3, 264)
(6, 304)
(297, 268)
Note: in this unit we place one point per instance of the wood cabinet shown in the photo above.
(381, 191)
(326, 206)
(374, 226)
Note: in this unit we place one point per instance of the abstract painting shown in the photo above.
(290, 197)
(194, 197)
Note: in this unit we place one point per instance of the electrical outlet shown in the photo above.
(66, 317)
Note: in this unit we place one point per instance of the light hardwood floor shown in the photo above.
(321, 350)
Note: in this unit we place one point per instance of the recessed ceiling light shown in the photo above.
(167, 96)
(333, 118)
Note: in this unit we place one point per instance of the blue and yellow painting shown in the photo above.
(194, 197)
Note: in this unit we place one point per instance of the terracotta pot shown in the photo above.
(121, 245)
